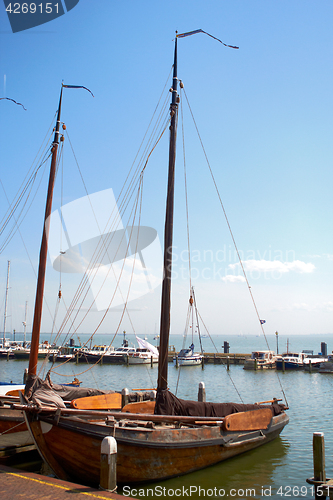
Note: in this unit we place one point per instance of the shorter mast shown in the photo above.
(5, 313)
(33, 359)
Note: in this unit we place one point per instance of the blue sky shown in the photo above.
(264, 113)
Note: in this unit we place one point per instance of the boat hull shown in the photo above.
(289, 366)
(188, 361)
(141, 361)
(15, 438)
(105, 360)
(72, 447)
(250, 364)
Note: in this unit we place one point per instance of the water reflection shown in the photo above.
(250, 472)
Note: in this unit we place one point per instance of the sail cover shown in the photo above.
(168, 404)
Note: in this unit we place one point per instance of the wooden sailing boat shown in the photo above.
(167, 438)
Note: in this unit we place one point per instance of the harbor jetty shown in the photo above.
(217, 358)
(16, 483)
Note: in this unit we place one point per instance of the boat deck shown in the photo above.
(15, 483)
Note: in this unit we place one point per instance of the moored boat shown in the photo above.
(313, 362)
(260, 360)
(291, 360)
(187, 357)
(326, 366)
(44, 350)
(145, 354)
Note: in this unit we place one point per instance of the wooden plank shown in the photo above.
(146, 407)
(248, 420)
(100, 402)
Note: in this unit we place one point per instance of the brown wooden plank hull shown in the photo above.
(146, 454)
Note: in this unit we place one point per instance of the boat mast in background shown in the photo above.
(25, 322)
(5, 312)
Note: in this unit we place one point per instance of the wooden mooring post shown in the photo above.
(323, 487)
(202, 392)
(108, 474)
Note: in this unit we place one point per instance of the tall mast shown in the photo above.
(162, 381)
(5, 313)
(43, 253)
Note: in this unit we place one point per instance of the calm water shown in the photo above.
(280, 468)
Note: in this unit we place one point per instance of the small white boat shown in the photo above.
(145, 354)
(45, 349)
(313, 363)
(291, 361)
(260, 360)
(186, 357)
(327, 366)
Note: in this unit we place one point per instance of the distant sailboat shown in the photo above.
(187, 357)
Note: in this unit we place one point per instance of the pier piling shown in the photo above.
(108, 476)
(323, 487)
(202, 392)
(124, 397)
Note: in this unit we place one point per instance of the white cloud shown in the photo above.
(323, 307)
(276, 266)
(231, 278)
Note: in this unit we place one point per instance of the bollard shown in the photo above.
(152, 395)
(319, 456)
(108, 474)
(202, 392)
(124, 397)
(25, 376)
(228, 363)
(319, 473)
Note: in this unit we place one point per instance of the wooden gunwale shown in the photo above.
(126, 416)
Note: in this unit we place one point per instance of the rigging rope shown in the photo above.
(232, 237)
(162, 124)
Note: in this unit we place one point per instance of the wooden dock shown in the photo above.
(15, 483)
(219, 358)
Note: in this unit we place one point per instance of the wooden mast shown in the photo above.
(162, 381)
(43, 253)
